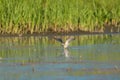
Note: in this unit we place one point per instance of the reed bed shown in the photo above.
(36, 16)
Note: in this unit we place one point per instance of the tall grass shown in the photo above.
(28, 16)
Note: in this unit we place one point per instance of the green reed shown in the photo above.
(29, 16)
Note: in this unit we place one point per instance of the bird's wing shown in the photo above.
(58, 39)
(69, 40)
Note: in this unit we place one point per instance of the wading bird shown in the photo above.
(66, 43)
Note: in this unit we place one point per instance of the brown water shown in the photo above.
(89, 57)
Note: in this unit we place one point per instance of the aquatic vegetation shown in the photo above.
(36, 16)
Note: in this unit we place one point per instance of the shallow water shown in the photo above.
(89, 57)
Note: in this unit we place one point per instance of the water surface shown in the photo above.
(89, 57)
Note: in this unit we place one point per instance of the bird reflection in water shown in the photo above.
(66, 52)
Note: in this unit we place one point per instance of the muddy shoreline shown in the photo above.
(56, 33)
